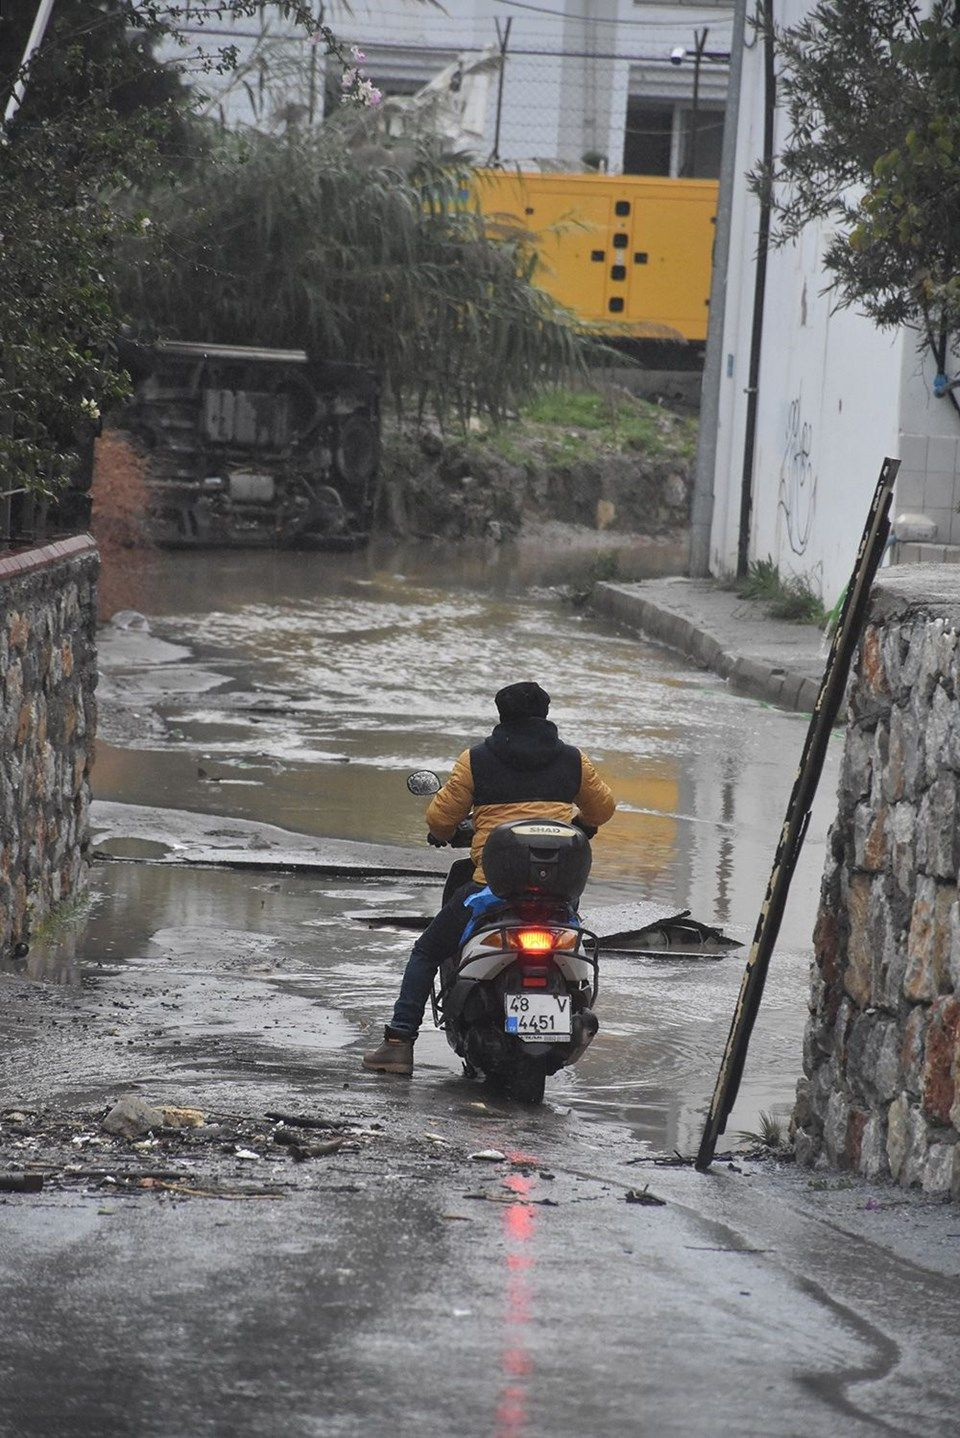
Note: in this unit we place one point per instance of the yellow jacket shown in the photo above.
(593, 801)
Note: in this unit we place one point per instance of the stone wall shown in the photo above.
(48, 675)
(882, 1046)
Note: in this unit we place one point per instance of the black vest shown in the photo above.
(557, 782)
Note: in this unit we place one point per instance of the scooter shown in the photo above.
(516, 1000)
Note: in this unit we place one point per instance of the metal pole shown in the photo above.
(759, 293)
(504, 40)
(701, 510)
(700, 41)
(37, 32)
(312, 82)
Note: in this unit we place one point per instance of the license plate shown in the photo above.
(538, 1017)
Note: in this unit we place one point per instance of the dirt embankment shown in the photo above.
(624, 465)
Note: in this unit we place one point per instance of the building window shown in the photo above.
(659, 139)
(648, 138)
(701, 162)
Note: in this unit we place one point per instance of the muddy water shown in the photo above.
(299, 689)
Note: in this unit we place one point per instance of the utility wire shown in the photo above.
(391, 46)
(723, 18)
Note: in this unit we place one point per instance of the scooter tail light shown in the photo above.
(492, 941)
(534, 941)
(542, 941)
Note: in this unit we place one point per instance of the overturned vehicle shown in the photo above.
(255, 447)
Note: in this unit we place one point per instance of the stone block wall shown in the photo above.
(48, 678)
(882, 1046)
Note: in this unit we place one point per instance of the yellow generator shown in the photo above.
(631, 253)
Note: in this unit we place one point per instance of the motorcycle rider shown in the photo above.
(520, 771)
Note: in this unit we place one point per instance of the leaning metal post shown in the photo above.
(832, 689)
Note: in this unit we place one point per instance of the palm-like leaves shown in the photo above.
(358, 254)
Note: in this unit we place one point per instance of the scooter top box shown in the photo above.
(537, 856)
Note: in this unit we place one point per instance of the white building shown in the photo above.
(835, 396)
(610, 80)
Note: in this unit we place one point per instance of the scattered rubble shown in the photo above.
(644, 1196)
(137, 1146)
(132, 1117)
(21, 1182)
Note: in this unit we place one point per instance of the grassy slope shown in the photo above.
(563, 426)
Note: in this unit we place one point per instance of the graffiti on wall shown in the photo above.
(797, 496)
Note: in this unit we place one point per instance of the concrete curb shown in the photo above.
(766, 658)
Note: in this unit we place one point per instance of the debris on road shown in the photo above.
(132, 1117)
(90, 1152)
(286, 1137)
(21, 1182)
(302, 1120)
(319, 1150)
(189, 1191)
(299, 1151)
(181, 1117)
(644, 1196)
(488, 1155)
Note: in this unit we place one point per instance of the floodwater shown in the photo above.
(299, 689)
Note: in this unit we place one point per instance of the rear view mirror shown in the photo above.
(423, 781)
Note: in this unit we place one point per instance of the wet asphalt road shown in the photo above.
(399, 1285)
(298, 691)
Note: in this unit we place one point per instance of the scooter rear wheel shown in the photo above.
(527, 1084)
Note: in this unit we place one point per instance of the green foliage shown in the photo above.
(871, 90)
(793, 598)
(613, 418)
(100, 117)
(770, 1135)
(61, 177)
(359, 253)
(761, 581)
(88, 48)
(69, 914)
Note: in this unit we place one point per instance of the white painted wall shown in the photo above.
(835, 396)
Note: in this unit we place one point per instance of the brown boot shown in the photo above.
(394, 1056)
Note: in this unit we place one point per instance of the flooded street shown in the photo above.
(298, 690)
(289, 1244)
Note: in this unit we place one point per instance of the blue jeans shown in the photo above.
(439, 939)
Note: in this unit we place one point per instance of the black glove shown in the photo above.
(436, 843)
(584, 827)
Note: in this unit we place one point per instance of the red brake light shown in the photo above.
(534, 941)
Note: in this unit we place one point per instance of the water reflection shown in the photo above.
(516, 1359)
